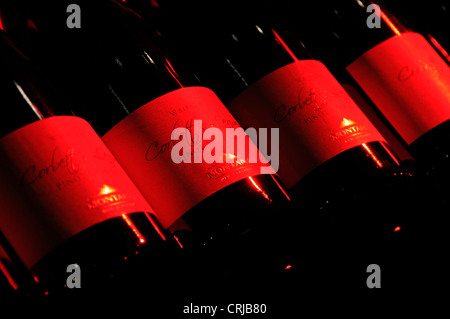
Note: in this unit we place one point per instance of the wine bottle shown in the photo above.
(72, 210)
(135, 94)
(8, 284)
(429, 19)
(151, 10)
(417, 107)
(407, 81)
(331, 156)
(405, 78)
(16, 280)
(5, 288)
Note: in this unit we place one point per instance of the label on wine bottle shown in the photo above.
(143, 144)
(399, 149)
(316, 117)
(62, 179)
(408, 81)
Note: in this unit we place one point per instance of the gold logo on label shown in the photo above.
(220, 170)
(346, 122)
(108, 197)
(349, 130)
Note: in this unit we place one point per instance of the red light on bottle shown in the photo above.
(8, 276)
(172, 71)
(178, 241)
(264, 194)
(438, 47)
(389, 22)
(284, 45)
(133, 228)
(372, 155)
(397, 228)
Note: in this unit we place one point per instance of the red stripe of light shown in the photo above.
(259, 189)
(284, 45)
(372, 155)
(133, 228)
(281, 187)
(438, 47)
(8, 276)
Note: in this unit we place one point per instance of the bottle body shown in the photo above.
(405, 78)
(332, 159)
(429, 19)
(70, 204)
(135, 96)
(410, 64)
(347, 193)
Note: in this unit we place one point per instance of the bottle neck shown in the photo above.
(25, 96)
(110, 66)
(338, 32)
(230, 45)
(430, 19)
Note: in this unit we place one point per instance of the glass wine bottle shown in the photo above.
(332, 159)
(68, 200)
(135, 93)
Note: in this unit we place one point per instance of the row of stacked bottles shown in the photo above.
(355, 110)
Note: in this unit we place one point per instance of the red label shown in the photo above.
(368, 111)
(71, 182)
(408, 81)
(316, 117)
(143, 145)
